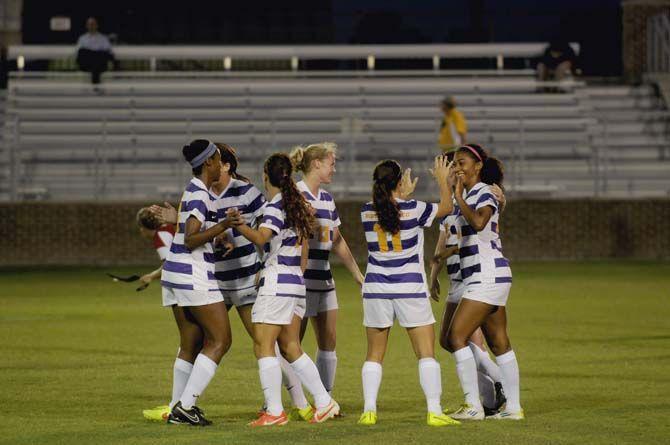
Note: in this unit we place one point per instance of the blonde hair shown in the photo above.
(302, 157)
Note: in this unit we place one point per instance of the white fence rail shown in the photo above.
(295, 53)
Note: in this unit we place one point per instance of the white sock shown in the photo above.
(203, 371)
(431, 383)
(291, 382)
(372, 379)
(487, 390)
(484, 363)
(180, 373)
(306, 370)
(270, 373)
(509, 371)
(466, 369)
(326, 363)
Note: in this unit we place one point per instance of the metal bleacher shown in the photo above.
(65, 141)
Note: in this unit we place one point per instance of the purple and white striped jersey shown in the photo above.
(395, 262)
(318, 276)
(480, 253)
(236, 272)
(450, 223)
(184, 268)
(281, 274)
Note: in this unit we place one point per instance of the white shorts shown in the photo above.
(271, 309)
(410, 312)
(318, 302)
(185, 297)
(456, 289)
(239, 298)
(169, 298)
(495, 294)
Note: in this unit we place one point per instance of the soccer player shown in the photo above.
(395, 281)
(488, 372)
(161, 236)
(237, 264)
(188, 282)
(283, 233)
(487, 280)
(317, 164)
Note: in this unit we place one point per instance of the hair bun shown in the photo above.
(297, 156)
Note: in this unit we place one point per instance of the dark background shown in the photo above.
(596, 24)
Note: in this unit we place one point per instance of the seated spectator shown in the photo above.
(94, 51)
(454, 126)
(557, 62)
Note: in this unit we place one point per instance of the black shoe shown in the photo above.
(182, 416)
(488, 412)
(500, 395)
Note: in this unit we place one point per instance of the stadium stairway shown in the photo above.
(124, 142)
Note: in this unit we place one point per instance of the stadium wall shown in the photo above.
(89, 234)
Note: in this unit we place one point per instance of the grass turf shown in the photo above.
(82, 356)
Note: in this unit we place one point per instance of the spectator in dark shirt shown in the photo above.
(557, 62)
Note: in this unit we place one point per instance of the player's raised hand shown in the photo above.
(407, 185)
(164, 215)
(441, 168)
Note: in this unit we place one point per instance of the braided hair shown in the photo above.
(278, 168)
(386, 178)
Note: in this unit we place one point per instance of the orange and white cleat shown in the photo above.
(329, 411)
(268, 419)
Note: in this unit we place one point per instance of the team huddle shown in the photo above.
(268, 256)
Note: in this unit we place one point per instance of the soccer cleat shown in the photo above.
(157, 414)
(268, 419)
(368, 418)
(298, 414)
(183, 416)
(433, 419)
(508, 415)
(327, 412)
(467, 412)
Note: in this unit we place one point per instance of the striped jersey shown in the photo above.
(480, 253)
(184, 268)
(236, 272)
(318, 276)
(450, 223)
(281, 274)
(395, 262)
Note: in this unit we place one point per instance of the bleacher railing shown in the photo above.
(295, 53)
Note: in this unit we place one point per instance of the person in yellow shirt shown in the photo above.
(454, 126)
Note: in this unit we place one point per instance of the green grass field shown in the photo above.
(82, 356)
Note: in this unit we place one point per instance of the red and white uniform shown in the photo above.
(163, 239)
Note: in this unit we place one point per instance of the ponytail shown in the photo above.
(298, 213)
(386, 177)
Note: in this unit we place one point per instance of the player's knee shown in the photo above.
(328, 342)
(500, 345)
(290, 350)
(456, 341)
(219, 346)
